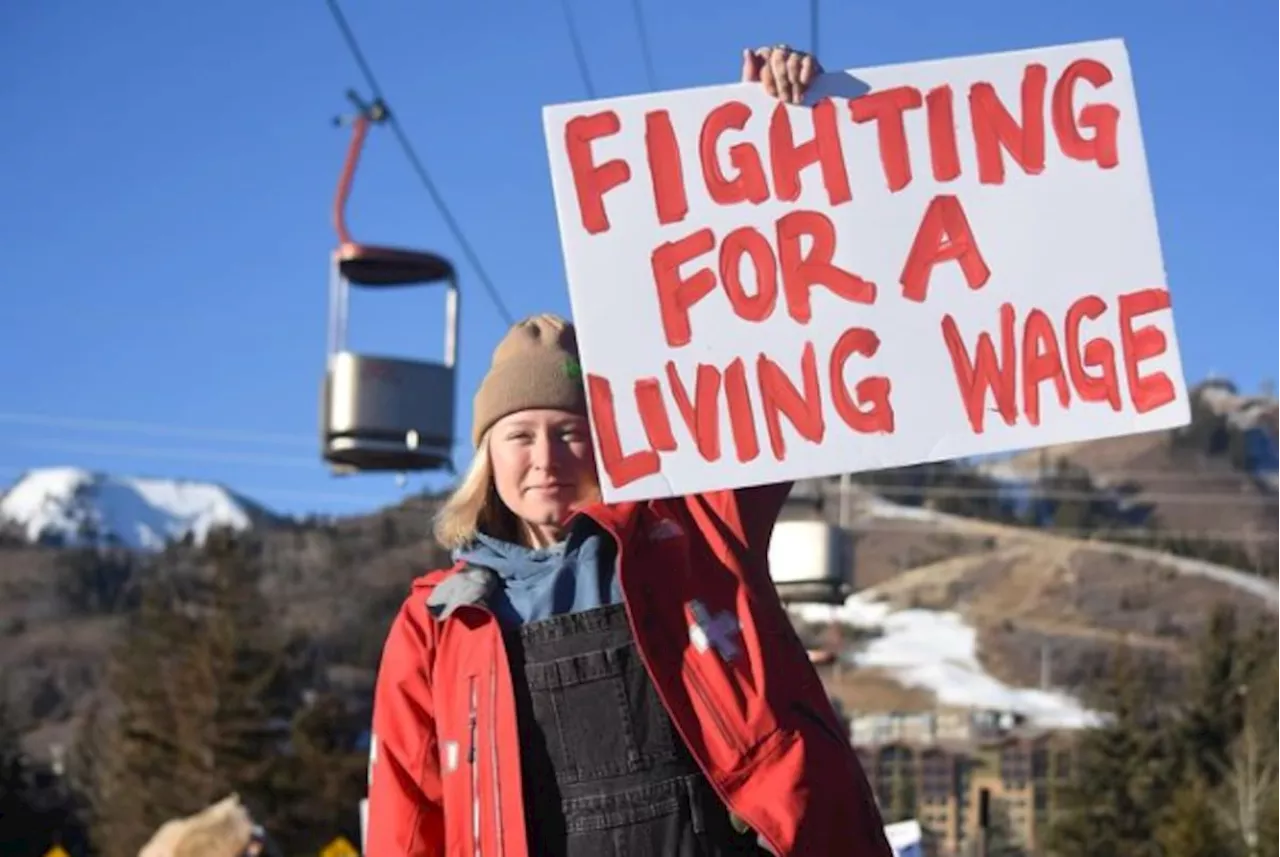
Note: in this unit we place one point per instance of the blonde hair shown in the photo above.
(475, 507)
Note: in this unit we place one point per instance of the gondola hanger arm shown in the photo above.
(374, 112)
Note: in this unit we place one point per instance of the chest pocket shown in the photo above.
(599, 715)
(593, 712)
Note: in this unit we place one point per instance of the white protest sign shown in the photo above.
(922, 262)
(906, 838)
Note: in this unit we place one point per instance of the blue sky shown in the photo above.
(168, 170)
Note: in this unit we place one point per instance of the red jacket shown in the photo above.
(444, 775)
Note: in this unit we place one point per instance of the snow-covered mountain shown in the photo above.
(68, 505)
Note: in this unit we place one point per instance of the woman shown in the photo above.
(594, 679)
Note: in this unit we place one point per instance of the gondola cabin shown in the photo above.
(381, 413)
(810, 560)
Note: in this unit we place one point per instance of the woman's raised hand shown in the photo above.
(784, 72)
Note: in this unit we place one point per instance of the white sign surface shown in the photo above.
(922, 262)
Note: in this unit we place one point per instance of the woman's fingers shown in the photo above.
(808, 70)
(783, 72)
(781, 78)
(794, 63)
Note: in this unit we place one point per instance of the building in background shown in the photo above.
(935, 767)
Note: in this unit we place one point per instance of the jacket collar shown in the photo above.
(468, 585)
(465, 584)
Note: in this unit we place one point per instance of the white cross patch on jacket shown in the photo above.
(714, 632)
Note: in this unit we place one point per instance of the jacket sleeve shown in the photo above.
(743, 517)
(405, 815)
(758, 510)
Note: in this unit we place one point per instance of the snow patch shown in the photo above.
(938, 652)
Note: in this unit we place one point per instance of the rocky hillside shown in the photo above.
(1057, 557)
(336, 583)
(1040, 566)
(1045, 611)
(952, 612)
(1214, 480)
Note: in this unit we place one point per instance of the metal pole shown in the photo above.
(846, 488)
(452, 311)
(813, 27)
(984, 820)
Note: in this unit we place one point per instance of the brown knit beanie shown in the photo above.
(534, 366)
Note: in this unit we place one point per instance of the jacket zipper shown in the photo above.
(493, 752)
(717, 718)
(473, 752)
(475, 779)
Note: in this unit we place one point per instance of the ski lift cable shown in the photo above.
(578, 52)
(151, 451)
(419, 168)
(223, 454)
(227, 437)
(115, 426)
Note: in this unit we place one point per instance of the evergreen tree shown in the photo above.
(145, 745)
(1248, 790)
(1246, 797)
(245, 661)
(1215, 712)
(902, 803)
(1269, 828)
(1191, 826)
(37, 809)
(1122, 779)
(321, 781)
(1227, 746)
(1068, 485)
(1265, 704)
(198, 701)
(92, 579)
(17, 812)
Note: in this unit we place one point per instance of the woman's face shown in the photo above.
(542, 467)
